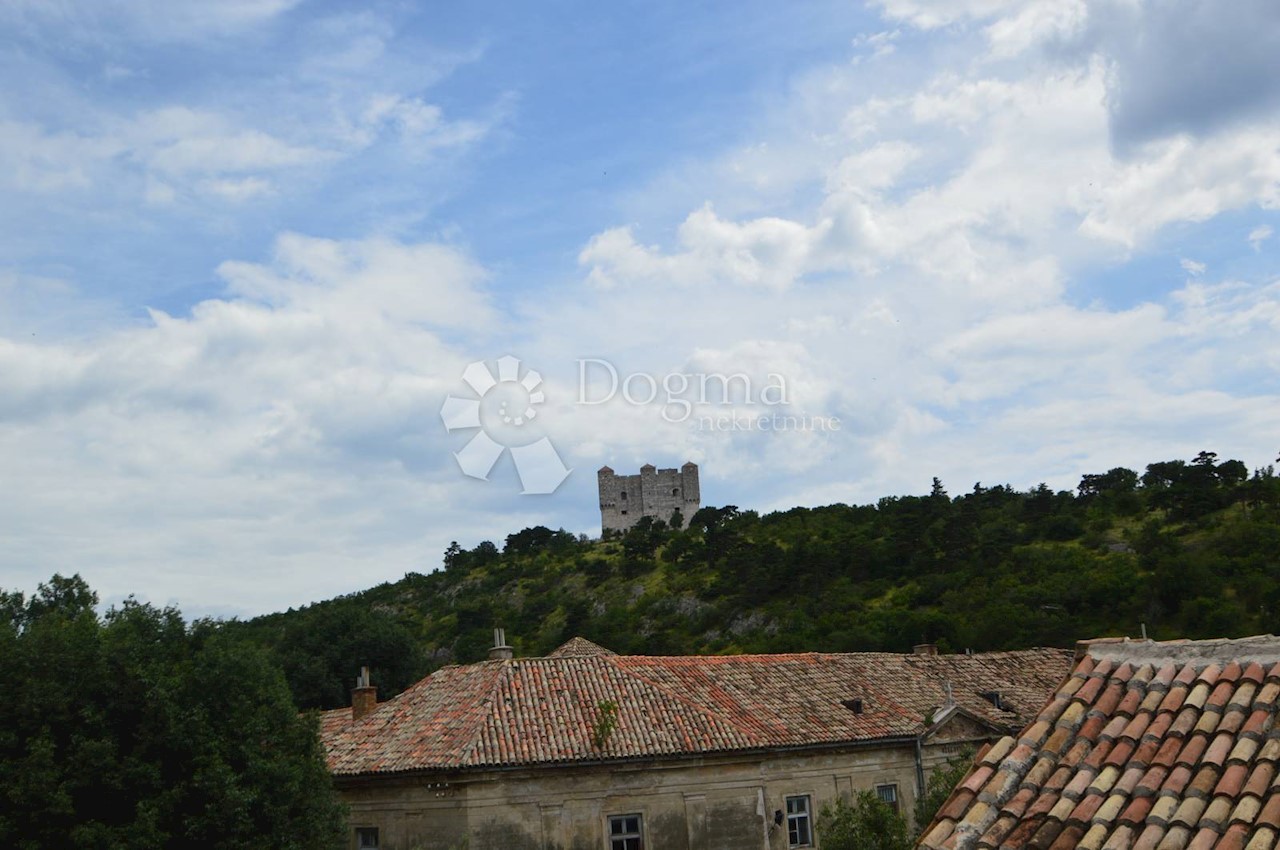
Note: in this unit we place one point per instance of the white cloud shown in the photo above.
(177, 142)
(914, 251)
(764, 252)
(428, 284)
(877, 44)
(186, 152)
(1258, 235)
(1186, 180)
(290, 426)
(931, 281)
(151, 20)
(932, 14)
(237, 190)
(1035, 24)
(33, 159)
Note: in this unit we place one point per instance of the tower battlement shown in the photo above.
(655, 493)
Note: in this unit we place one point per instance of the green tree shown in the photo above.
(133, 730)
(942, 782)
(868, 823)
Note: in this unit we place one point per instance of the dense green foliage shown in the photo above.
(1187, 549)
(865, 823)
(135, 730)
(942, 781)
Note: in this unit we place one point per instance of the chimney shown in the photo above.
(925, 649)
(364, 697)
(500, 650)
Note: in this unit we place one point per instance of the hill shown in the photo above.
(1186, 549)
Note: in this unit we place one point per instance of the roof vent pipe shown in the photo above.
(500, 650)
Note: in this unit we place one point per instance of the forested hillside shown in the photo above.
(1186, 548)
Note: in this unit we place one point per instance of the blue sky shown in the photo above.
(249, 248)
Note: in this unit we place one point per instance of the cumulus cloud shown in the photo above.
(1185, 179)
(938, 263)
(427, 284)
(297, 413)
(931, 281)
(764, 252)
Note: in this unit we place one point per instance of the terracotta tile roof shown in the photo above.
(580, 646)
(1145, 746)
(529, 711)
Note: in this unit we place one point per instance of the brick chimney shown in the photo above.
(364, 696)
(925, 649)
(500, 650)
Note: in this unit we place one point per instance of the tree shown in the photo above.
(1116, 480)
(134, 730)
(942, 782)
(868, 823)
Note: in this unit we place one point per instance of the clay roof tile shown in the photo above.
(1182, 754)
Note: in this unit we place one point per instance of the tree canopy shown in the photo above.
(1184, 548)
(134, 730)
(864, 823)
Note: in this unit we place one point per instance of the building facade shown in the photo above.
(655, 493)
(589, 750)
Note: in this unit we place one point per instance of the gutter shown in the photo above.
(650, 759)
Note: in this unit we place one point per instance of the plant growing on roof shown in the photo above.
(606, 722)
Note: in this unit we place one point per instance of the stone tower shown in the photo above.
(656, 493)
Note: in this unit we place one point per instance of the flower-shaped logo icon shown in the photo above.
(504, 408)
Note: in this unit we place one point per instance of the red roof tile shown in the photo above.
(1179, 751)
(532, 711)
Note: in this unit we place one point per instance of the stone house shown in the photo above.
(588, 750)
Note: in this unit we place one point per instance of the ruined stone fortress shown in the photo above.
(655, 493)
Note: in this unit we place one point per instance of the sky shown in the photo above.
(294, 293)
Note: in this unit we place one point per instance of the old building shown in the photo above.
(1146, 746)
(589, 750)
(655, 493)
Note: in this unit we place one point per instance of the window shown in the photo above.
(888, 794)
(625, 833)
(366, 838)
(799, 828)
(624, 497)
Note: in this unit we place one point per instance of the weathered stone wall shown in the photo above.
(708, 803)
(655, 493)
